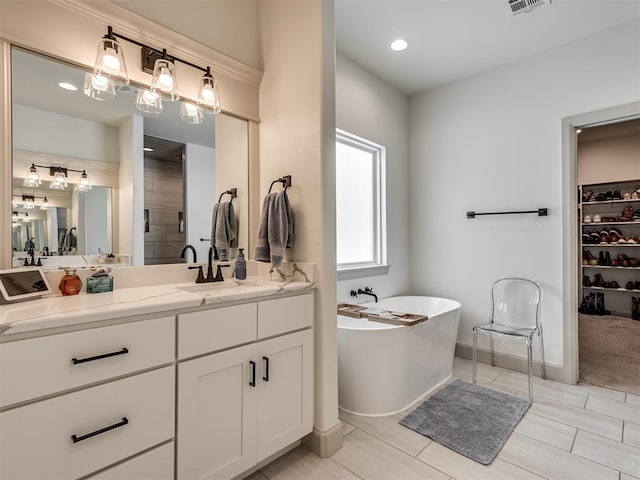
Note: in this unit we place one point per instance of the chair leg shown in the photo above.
(544, 368)
(475, 355)
(530, 361)
(493, 354)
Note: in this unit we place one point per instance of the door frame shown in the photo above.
(570, 250)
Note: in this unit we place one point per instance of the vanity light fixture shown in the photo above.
(29, 202)
(59, 180)
(164, 77)
(26, 217)
(32, 179)
(148, 101)
(191, 114)
(110, 72)
(110, 60)
(209, 93)
(15, 218)
(84, 185)
(45, 204)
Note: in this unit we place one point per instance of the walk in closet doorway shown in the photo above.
(608, 176)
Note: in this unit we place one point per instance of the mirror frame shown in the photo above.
(68, 31)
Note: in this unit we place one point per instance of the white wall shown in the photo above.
(493, 142)
(41, 131)
(369, 108)
(200, 175)
(297, 138)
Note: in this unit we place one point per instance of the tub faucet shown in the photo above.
(193, 250)
(366, 291)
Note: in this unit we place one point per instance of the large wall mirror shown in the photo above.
(154, 177)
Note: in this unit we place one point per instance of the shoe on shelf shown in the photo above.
(629, 286)
(626, 196)
(586, 281)
(623, 260)
(615, 284)
(636, 286)
(600, 307)
(614, 235)
(623, 240)
(597, 219)
(633, 240)
(604, 237)
(601, 197)
(595, 237)
(607, 259)
(591, 304)
(589, 259)
(627, 215)
(598, 281)
(616, 195)
(586, 195)
(601, 258)
(635, 195)
(635, 308)
(636, 216)
(587, 219)
(608, 196)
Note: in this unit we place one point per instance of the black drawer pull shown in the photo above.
(98, 357)
(252, 364)
(77, 439)
(265, 377)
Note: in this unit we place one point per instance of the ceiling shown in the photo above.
(454, 39)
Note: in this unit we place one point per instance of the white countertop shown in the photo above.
(59, 311)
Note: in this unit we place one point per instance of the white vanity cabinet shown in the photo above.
(240, 405)
(76, 403)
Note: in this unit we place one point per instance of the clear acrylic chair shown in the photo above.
(515, 314)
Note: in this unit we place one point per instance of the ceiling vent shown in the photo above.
(523, 6)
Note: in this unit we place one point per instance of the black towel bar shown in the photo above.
(542, 212)
(232, 191)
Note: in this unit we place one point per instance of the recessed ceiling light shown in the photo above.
(398, 45)
(148, 149)
(68, 86)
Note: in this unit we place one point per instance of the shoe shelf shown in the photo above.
(610, 267)
(598, 245)
(607, 202)
(611, 289)
(592, 224)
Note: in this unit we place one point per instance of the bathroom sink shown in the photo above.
(210, 287)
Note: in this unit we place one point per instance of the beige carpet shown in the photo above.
(610, 352)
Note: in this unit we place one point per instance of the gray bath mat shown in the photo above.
(469, 419)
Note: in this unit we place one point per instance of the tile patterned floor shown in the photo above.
(570, 432)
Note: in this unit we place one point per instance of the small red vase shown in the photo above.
(70, 284)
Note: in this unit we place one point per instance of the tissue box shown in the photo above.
(99, 284)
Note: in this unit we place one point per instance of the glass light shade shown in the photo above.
(33, 177)
(164, 79)
(14, 204)
(29, 203)
(209, 97)
(99, 87)
(59, 181)
(110, 60)
(148, 101)
(45, 204)
(191, 114)
(15, 218)
(84, 185)
(26, 217)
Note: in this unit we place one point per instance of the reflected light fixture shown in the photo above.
(99, 87)
(209, 93)
(164, 78)
(110, 60)
(15, 218)
(84, 185)
(191, 114)
(147, 149)
(148, 101)
(14, 204)
(68, 86)
(32, 179)
(29, 202)
(579, 130)
(398, 45)
(45, 204)
(59, 180)
(26, 217)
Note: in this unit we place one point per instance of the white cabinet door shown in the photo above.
(216, 415)
(285, 388)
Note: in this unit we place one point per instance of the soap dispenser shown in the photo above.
(241, 265)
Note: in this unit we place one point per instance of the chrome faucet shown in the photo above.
(193, 250)
(366, 291)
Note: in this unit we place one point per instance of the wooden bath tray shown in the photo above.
(385, 316)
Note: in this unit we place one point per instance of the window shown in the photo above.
(360, 205)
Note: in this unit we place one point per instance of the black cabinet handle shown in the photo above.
(266, 369)
(252, 364)
(80, 438)
(98, 357)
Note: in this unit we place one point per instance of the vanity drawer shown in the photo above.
(283, 315)
(40, 366)
(157, 464)
(216, 329)
(36, 440)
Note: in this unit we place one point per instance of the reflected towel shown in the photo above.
(224, 228)
(275, 233)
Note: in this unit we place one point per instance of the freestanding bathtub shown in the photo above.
(382, 368)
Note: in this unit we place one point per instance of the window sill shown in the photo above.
(357, 272)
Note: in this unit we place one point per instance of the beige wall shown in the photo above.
(297, 138)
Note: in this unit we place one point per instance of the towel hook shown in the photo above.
(232, 191)
(285, 181)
